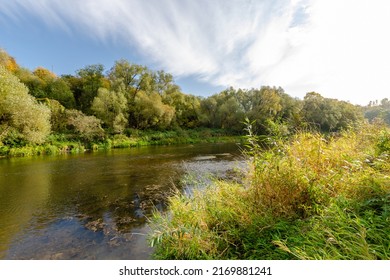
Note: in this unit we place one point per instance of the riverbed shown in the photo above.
(96, 205)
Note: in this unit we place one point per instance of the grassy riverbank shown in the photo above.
(309, 197)
(61, 143)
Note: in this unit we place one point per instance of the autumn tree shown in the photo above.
(42, 83)
(35, 85)
(8, 61)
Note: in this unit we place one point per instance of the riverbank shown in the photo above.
(61, 143)
(310, 197)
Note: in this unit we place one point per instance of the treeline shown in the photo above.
(378, 111)
(93, 105)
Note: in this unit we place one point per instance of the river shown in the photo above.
(96, 205)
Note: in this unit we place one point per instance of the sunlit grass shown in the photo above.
(60, 143)
(310, 197)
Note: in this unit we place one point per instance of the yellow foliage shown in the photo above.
(44, 74)
(11, 65)
(8, 62)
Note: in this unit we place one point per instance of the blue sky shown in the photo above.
(337, 48)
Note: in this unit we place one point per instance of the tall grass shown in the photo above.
(309, 197)
(60, 143)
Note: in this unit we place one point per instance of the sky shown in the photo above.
(340, 49)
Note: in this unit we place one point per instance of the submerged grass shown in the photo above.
(310, 197)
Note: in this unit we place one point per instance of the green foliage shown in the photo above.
(57, 116)
(151, 112)
(141, 137)
(309, 197)
(383, 143)
(128, 77)
(190, 232)
(87, 128)
(90, 78)
(59, 90)
(131, 96)
(111, 107)
(186, 108)
(329, 114)
(20, 111)
(375, 111)
(266, 106)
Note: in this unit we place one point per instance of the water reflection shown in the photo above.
(94, 206)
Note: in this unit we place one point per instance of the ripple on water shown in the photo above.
(96, 206)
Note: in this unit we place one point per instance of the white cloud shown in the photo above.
(337, 48)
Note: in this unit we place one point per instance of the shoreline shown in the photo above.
(59, 144)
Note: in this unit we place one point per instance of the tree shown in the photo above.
(43, 83)
(111, 107)
(58, 115)
(59, 90)
(8, 61)
(44, 74)
(19, 111)
(329, 114)
(164, 84)
(208, 111)
(187, 108)
(35, 85)
(130, 78)
(151, 112)
(231, 115)
(86, 127)
(379, 111)
(91, 79)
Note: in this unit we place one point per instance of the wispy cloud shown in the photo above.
(338, 48)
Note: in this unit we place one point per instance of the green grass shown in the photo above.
(308, 197)
(49, 148)
(61, 143)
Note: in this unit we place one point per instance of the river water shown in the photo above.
(96, 205)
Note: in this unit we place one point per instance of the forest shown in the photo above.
(130, 105)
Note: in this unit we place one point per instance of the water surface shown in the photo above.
(96, 205)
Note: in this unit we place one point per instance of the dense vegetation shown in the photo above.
(318, 187)
(308, 197)
(129, 105)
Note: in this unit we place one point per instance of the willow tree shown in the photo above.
(20, 114)
(329, 114)
(151, 112)
(111, 107)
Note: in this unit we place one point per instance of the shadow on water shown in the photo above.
(96, 206)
